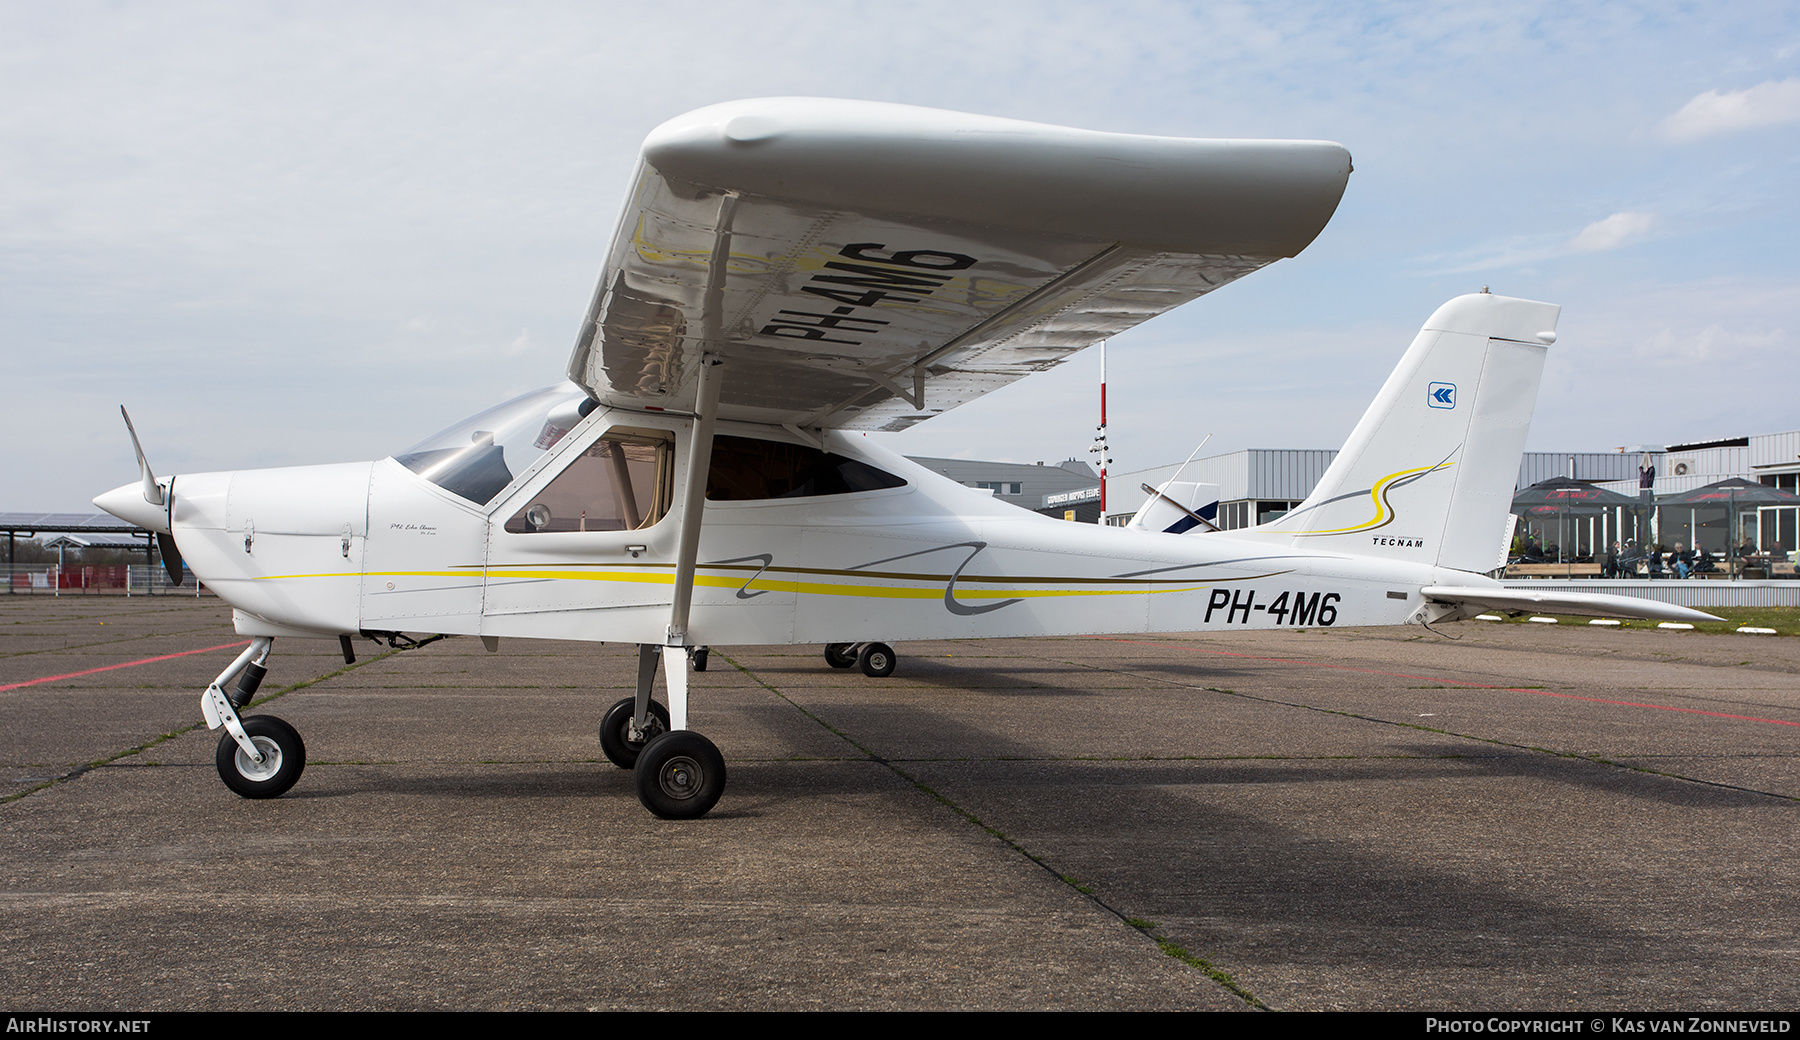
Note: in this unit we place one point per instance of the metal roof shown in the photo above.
(92, 523)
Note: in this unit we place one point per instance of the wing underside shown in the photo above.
(864, 266)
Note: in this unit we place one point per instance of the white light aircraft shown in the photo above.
(788, 272)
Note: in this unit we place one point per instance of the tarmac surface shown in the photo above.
(1527, 817)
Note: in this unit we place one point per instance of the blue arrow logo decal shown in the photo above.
(1441, 395)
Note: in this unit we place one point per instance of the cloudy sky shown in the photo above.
(291, 233)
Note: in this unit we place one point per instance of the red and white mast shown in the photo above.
(1099, 447)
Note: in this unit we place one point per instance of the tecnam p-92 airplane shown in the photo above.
(788, 272)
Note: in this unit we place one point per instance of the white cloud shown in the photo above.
(520, 343)
(1611, 232)
(1766, 104)
(1640, 363)
(1523, 251)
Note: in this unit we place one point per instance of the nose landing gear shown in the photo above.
(261, 756)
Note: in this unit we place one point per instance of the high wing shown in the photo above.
(867, 266)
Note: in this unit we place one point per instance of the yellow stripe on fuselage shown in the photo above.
(963, 590)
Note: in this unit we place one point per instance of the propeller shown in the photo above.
(155, 494)
(171, 557)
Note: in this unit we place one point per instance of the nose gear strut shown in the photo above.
(261, 756)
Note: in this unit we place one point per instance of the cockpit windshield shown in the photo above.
(478, 457)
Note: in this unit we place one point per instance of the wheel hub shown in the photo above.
(270, 765)
(681, 777)
(653, 728)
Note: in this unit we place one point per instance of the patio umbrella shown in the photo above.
(1732, 493)
(1562, 493)
(1561, 497)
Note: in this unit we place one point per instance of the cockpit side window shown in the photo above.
(477, 458)
(624, 482)
(744, 470)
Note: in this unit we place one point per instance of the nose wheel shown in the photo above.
(283, 758)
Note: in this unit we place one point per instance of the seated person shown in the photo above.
(1630, 555)
(1681, 561)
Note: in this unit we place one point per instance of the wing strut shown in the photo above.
(676, 650)
(693, 502)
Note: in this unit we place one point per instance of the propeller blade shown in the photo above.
(171, 556)
(153, 493)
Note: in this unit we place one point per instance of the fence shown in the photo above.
(47, 579)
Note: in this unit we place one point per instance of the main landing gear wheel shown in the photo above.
(699, 658)
(615, 730)
(284, 756)
(680, 775)
(840, 655)
(876, 660)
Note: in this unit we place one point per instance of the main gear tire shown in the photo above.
(615, 731)
(876, 660)
(680, 775)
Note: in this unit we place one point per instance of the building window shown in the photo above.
(1267, 511)
(1233, 515)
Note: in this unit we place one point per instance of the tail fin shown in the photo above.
(1428, 474)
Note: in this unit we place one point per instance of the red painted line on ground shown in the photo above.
(127, 664)
(1453, 682)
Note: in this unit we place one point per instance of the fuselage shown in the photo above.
(379, 546)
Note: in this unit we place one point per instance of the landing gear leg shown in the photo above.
(261, 756)
(679, 774)
(640, 716)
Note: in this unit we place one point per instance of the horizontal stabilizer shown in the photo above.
(1584, 604)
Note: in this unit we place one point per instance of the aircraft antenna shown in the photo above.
(1190, 458)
